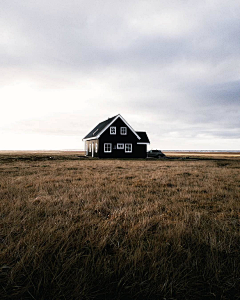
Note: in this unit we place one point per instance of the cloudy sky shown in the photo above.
(171, 68)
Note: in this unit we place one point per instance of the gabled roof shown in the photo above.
(101, 127)
(144, 137)
(97, 129)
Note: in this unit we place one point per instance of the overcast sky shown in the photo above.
(171, 68)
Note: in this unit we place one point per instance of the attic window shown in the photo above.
(112, 130)
(123, 130)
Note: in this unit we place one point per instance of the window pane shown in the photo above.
(128, 147)
(123, 130)
(112, 130)
(107, 147)
(120, 146)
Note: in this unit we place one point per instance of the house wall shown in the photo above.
(141, 151)
(138, 151)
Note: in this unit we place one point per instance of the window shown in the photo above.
(128, 148)
(123, 130)
(107, 147)
(112, 130)
(96, 147)
(90, 147)
(120, 146)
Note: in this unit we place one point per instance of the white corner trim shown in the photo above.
(143, 143)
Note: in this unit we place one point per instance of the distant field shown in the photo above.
(204, 154)
(81, 228)
(40, 152)
(167, 153)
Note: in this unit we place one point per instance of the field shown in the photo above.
(78, 228)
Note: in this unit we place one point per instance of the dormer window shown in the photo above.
(112, 130)
(123, 130)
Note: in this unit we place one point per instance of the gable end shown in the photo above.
(103, 126)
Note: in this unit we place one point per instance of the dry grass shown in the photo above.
(75, 228)
(212, 155)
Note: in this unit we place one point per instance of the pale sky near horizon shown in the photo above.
(170, 68)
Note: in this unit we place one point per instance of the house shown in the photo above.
(115, 138)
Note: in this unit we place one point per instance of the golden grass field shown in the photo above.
(79, 228)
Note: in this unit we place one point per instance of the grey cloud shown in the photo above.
(170, 78)
(77, 36)
(227, 93)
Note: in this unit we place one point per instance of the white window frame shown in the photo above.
(96, 147)
(106, 145)
(114, 128)
(123, 130)
(90, 147)
(120, 146)
(128, 151)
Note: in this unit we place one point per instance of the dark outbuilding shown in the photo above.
(115, 138)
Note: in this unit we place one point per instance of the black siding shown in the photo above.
(138, 151)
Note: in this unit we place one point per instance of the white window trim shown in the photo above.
(125, 132)
(96, 147)
(115, 131)
(110, 148)
(126, 148)
(120, 146)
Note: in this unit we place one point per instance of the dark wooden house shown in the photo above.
(115, 138)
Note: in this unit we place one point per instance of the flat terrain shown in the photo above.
(79, 228)
(212, 155)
